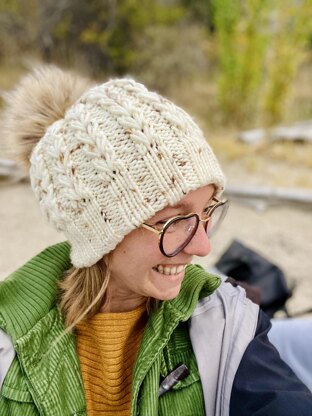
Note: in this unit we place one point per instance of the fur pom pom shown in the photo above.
(38, 100)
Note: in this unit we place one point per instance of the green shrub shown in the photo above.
(260, 44)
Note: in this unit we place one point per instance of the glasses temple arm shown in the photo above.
(149, 227)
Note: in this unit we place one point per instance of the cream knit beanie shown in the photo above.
(120, 154)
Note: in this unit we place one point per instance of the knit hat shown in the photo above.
(119, 155)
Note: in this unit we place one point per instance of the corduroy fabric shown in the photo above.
(34, 288)
(29, 314)
(165, 344)
(45, 377)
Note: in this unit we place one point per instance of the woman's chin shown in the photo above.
(167, 286)
(169, 294)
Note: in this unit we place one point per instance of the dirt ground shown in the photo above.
(283, 234)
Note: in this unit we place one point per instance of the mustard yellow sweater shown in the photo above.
(107, 347)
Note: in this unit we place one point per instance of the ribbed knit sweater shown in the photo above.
(107, 346)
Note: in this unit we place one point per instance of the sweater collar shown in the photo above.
(196, 285)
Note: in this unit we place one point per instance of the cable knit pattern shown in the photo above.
(120, 154)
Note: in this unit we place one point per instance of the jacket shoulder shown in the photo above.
(221, 328)
(227, 297)
(30, 292)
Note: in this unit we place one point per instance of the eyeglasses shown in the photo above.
(177, 232)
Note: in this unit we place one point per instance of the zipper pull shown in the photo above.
(179, 373)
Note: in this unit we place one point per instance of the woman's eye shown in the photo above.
(160, 223)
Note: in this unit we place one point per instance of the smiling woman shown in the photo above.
(134, 280)
(116, 320)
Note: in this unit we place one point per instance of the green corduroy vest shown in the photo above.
(45, 379)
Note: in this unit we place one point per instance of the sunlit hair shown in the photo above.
(84, 292)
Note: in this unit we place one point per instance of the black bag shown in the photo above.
(244, 264)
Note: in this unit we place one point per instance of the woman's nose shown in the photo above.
(200, 244)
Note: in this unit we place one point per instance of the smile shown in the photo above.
(170, 270)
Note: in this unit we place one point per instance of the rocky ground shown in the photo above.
(283, 234)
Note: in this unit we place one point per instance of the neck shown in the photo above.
(120, 303)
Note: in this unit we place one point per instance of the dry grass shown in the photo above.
(285, 164)
(292, 153)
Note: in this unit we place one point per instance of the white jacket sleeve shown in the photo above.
(7, 355)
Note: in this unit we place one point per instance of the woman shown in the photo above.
(117, 320)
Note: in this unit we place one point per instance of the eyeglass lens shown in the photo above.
(179, 232)
(216, 219)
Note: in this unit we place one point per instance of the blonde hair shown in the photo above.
(84, 292)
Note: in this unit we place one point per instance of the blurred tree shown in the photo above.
(292, 29)
(242, 39)
(106, 33)
(200, 11)
(18, 21)
(252, 47)
(168, 57)
(260, 44)
(53, 25)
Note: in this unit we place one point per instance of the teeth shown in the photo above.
(169, 271)
(181, 268)
(160, 269)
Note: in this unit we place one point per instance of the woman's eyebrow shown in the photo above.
(169, 212)
(180, 205)
(186, 206)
